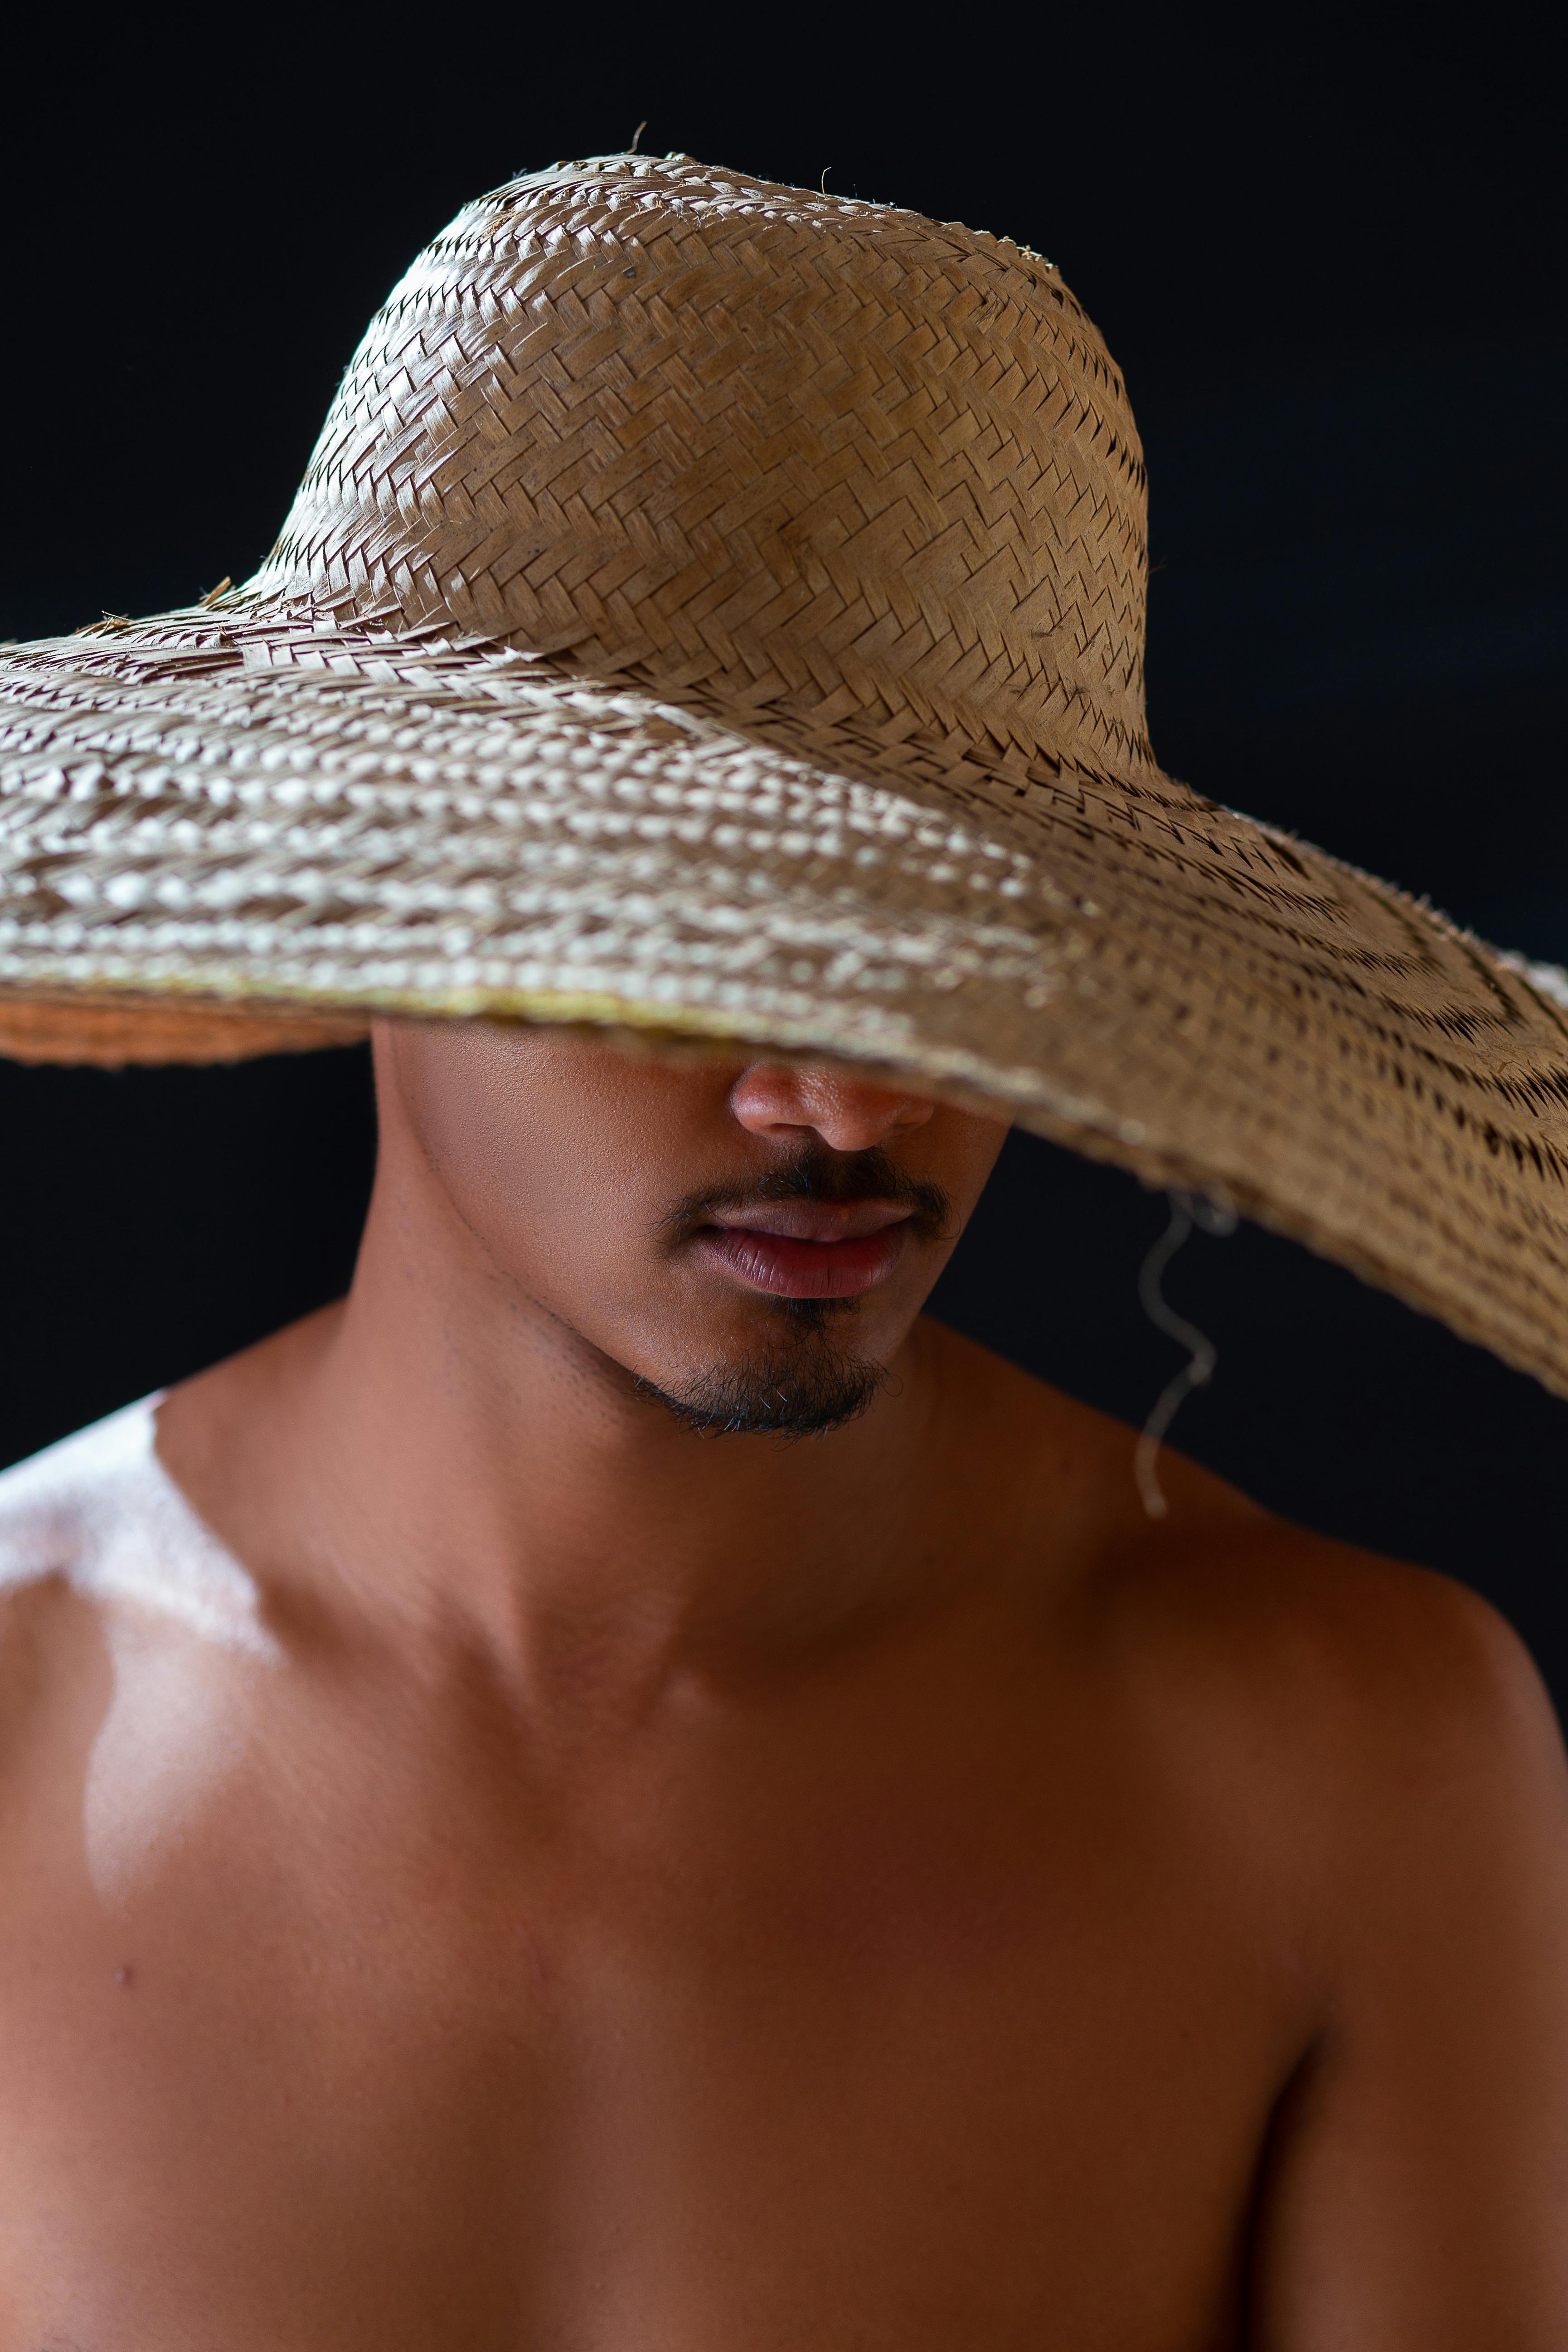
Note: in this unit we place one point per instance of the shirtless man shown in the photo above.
(709, 1816)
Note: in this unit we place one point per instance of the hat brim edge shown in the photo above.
(122, 1028)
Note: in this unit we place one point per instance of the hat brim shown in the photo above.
(213, 844)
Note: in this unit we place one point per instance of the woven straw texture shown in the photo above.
(717, 610)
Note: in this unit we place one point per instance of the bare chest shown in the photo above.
(866, 2079)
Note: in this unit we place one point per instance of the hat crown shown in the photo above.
(806, 456)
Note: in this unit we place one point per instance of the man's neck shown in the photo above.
(440, 1454)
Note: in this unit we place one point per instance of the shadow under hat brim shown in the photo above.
(208, 852)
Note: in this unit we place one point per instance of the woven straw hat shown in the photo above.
(717, 610)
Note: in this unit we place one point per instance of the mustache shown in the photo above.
(818, 1173)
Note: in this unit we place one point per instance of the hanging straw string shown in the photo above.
(1211, 1216)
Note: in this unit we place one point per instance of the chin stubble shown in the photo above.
(800, 1387)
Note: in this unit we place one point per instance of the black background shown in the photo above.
(1322, 248)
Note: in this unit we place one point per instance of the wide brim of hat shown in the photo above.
(214, 844)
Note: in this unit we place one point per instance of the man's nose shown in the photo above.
(789, 1099)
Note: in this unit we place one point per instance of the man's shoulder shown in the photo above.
(1315, 1629)
(1354, 1710)
(1331, 1666)
(58, 1506)
(62, 1512)
(97, 1513)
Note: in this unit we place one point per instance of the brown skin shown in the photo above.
(871, 1894)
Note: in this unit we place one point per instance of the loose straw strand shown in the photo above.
(1211, 1216)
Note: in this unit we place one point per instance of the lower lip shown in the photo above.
(794, 1270)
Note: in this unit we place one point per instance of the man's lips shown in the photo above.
(807, 1249)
